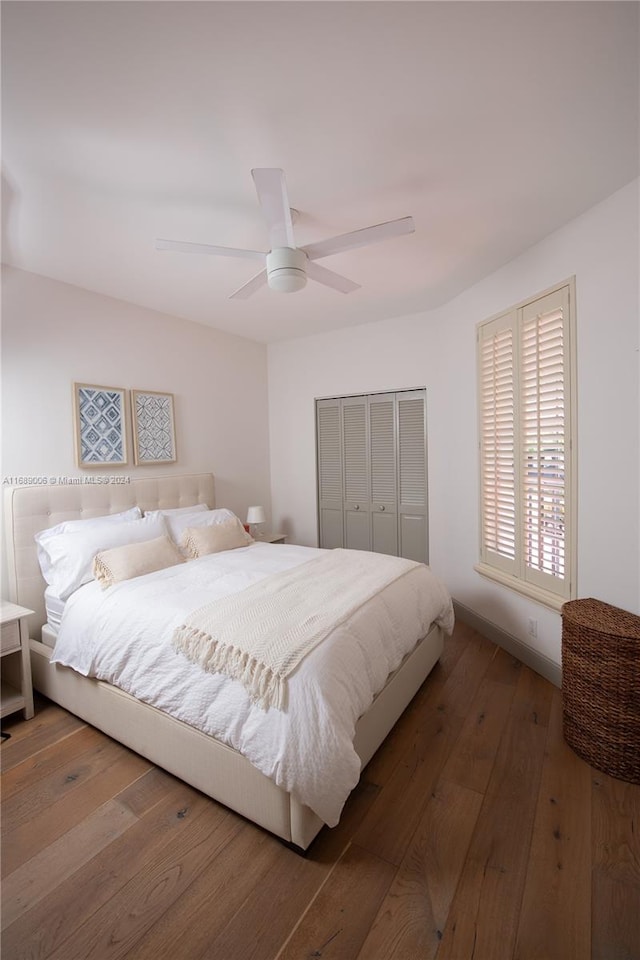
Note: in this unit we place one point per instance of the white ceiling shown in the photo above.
(491, 123)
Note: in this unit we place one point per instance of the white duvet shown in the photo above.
(123, 635)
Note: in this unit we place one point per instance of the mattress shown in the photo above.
(54, 607)
(124, 636)
(49, 635)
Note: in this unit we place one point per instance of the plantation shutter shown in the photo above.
(544, 440)
(497, 443)
(527, 502)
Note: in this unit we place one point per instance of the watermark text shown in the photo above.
(60, 481)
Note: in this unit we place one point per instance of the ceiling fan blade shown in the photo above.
(359, 238)
(272, 194)
(245, 291)
(330, 279)
(183, 247)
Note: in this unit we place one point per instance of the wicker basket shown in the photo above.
(601, 686)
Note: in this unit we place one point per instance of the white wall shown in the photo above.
(437, 350)
(54, 333)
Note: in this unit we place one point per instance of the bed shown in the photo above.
(207, 763)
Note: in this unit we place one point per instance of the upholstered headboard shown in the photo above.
(30, 509)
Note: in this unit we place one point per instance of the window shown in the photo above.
(526, 360)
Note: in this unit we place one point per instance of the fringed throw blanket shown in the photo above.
(259, 635)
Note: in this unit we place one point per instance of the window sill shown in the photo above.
(545, 597)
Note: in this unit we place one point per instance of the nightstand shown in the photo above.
(274, 538)
(16, 692)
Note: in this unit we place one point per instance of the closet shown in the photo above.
(372, 473)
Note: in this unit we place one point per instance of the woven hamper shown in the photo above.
(601, 686)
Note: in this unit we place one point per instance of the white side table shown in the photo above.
(274, 538)
(14, 643)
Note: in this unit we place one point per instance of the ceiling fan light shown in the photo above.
(286, 271)
(287, 281)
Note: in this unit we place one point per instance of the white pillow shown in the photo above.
(175, 511)
(70, 555)
(207, 518)
(67, 526)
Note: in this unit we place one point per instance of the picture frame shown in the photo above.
(100, 420)
(154, 432)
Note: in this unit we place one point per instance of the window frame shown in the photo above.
(514, 573)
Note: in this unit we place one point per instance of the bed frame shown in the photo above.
(200, 760)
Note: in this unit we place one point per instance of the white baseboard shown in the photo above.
(521, 651)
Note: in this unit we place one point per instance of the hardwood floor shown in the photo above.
(475, 834)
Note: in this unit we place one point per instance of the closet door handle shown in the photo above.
(356, 506)
(382, 506)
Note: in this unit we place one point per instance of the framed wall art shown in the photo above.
(154, 436)
(100, 415)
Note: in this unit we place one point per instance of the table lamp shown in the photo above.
(255, 516)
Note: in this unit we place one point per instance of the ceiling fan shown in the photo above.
(287, 266)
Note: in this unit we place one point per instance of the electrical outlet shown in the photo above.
(533, 628)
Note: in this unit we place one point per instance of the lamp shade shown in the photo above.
(256, 515)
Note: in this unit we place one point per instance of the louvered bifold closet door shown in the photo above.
(383, 466)
(497, 381)
(355, 446)
(330, 505)
(412, 476)
(544, 441)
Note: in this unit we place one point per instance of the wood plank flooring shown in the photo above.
(474, 834)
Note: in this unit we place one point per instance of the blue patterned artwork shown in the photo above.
(153, 427)
(100, 425)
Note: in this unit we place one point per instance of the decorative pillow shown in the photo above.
(134, 560)
(200, 541)
(68, 526)
(176, 511)
(207, 518)
(69, 556)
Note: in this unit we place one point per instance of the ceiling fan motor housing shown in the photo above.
(286, 269)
